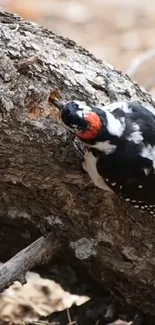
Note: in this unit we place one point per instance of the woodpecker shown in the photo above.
(120, 147)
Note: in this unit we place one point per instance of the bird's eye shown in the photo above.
(74, 105)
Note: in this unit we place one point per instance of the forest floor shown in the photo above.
(38, 298)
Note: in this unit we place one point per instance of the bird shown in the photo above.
(119, 142)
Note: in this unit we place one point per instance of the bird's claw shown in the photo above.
(79, 147)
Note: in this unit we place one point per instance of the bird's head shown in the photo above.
(82, 120)
(91, 124)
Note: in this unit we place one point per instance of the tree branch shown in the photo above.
(39, 252)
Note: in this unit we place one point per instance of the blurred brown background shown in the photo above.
(114, 30)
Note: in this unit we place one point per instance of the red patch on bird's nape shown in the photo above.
(94, 127)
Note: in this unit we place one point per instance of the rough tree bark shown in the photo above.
(43, 186)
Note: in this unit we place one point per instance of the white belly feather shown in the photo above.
(89, 165)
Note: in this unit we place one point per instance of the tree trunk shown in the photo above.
(43, 186)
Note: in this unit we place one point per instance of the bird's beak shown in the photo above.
(58, 104)
(55, 99)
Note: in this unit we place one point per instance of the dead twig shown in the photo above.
(39, 252)
(139, 60)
